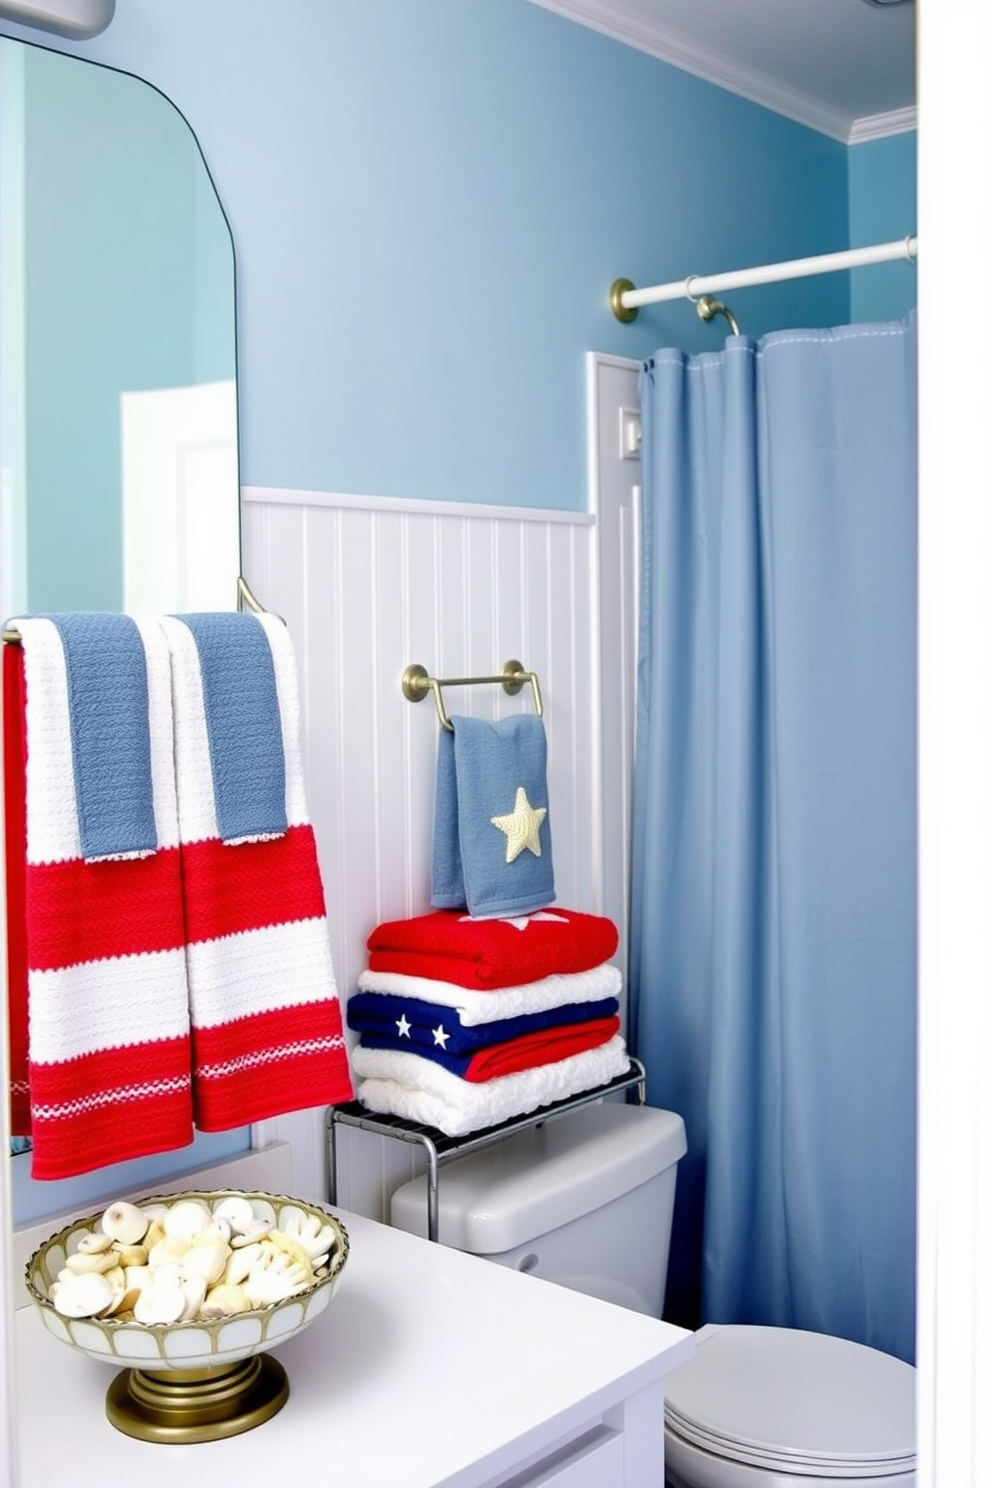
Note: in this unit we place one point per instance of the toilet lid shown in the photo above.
(783, 1398)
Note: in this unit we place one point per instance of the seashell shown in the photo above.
(153, 1234)
(81, 1262)
(129, 1296)
(252, 1232)
(136, 1278)
(292, 1247)
(206, 1261)
(117, 1277)
(210, 1237)
(131, 1255)
(237, 1211)
(219, 1227)
(315, 1238)
(168, 1251)
(224, 1300)
(83, 1295)
(274, 1277)
(169, 1273)
(124, 1222)
(117, 1300)
(194, 1290)
(185, 1219)
(162, 1302)
(240, 1262)
(93, 1242)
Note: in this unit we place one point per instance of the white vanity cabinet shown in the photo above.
(430, 1367)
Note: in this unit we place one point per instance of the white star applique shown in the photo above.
(441, 1036)
(521, 826)
(403, 1026)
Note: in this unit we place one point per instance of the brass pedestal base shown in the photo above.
(197, 1405)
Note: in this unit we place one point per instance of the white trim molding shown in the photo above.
(396, 505)
(881, 126)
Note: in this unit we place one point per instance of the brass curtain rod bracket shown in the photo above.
(618, 289)
(416, 684)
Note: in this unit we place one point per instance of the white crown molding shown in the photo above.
(658, 42)
(881, 126)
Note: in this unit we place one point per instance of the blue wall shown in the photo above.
(429, 203)
(882, 199)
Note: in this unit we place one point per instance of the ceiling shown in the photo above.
(844, 67)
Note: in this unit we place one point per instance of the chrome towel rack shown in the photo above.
(416, 684)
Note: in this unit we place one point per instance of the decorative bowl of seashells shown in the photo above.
(187, 1291)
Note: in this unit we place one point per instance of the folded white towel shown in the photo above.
(400, 1084)
(503, 1002)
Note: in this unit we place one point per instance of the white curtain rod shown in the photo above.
(625, 298)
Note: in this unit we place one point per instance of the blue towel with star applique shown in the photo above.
(492, 831)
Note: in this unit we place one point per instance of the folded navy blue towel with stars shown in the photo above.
(390, 1022)
(492, 833)
(528, 1051)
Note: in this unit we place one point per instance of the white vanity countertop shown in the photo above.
(429, 1367)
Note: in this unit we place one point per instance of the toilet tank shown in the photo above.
(584, 1199)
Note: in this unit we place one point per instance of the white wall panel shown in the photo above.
(367, 587)
(614, 495)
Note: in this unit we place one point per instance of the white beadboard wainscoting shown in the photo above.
(368, 586)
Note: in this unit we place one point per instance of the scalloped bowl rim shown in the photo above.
(156, 1354)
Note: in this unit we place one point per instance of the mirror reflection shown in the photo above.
(119, 482)
(118, 425)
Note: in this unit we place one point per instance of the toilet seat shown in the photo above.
(784, 1401)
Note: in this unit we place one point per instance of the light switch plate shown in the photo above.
(630, 434)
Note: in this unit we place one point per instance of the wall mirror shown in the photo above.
(118, 422)
(119, 482)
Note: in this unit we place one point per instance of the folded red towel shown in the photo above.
(448, 946)
(534, 1049)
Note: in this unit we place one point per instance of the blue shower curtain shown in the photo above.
(773, 916)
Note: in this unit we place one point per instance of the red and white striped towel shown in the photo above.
(96, 949)
(193, 983)
(266, 1020)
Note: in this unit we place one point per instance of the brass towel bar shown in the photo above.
(417, 684)
(246, 601)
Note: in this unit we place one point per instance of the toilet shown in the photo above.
(757, 1407)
